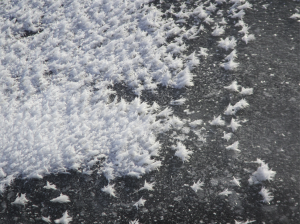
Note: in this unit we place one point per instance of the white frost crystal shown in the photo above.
(61, 199)
(197, 186)
(65, 219)
(20, 200)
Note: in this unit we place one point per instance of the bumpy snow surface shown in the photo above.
(56, 112)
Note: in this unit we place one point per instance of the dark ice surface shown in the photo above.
(270, 65)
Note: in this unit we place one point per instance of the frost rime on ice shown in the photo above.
(53, 119)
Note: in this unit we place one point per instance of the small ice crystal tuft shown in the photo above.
(197, 186)
(65, 219)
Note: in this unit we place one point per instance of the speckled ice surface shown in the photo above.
(130, 112)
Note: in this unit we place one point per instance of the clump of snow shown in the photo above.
(20, 200)
(65, 219)
(197, 186)
(266, 194)
(61, 199)
(217, 121)
(147, 186)
(262, 173)
(139, 203)
(109, 189)
(182, 152)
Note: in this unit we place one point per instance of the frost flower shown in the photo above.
(109, 189)
(267, 197)
(182, 152)
(262, 173)
(65, 219)
(22, 200)
(197, 186)
(139, 203)
(61, 199)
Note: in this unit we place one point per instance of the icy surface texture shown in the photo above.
(58, 62)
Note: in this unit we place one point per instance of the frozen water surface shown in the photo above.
(117, 110)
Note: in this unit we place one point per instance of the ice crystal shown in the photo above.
(65, 219)
(139, 203)
(61, 199)
(147, 186)
(20, 200)
(267, 197)
(197, 186)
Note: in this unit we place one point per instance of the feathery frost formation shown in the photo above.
(65, 219)
(109, 189)
(61, 199)
(20, 200)
(266, 194)
(59, 61)
(55, 108)
(197, 186)
(140, 203)
(50, 186)
(262, 173)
